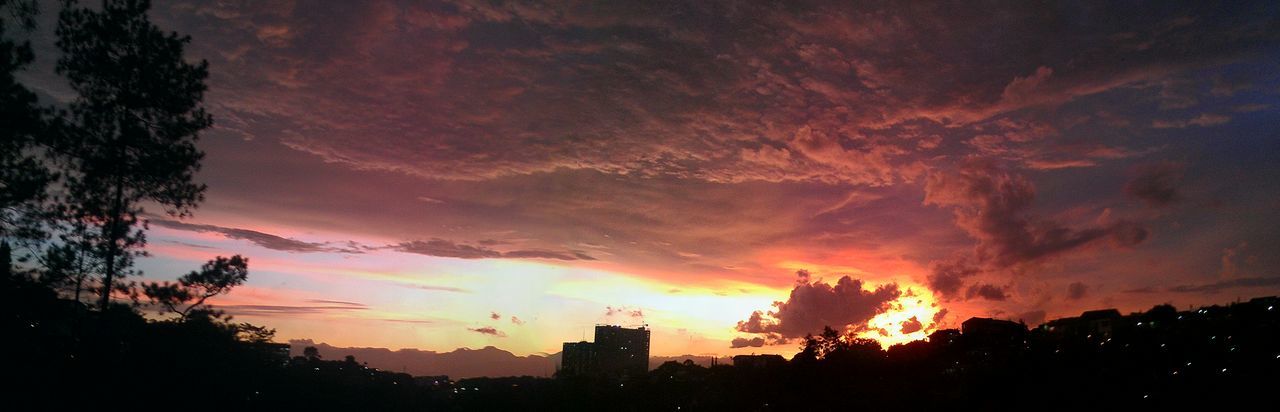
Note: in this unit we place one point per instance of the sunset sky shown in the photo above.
(438, 175)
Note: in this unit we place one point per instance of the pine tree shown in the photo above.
(130, 133)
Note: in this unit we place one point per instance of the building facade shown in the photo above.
(616, 352)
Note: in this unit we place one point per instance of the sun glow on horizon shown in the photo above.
(917, 306)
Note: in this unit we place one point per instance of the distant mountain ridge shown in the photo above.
(463, 362)
(459, 363)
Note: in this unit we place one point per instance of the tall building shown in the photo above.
(616, 352)
(622, 351)
(577, 358)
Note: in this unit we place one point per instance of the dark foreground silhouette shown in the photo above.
(63, 355)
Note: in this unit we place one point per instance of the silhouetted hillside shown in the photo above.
(467, 363)
(459, 363)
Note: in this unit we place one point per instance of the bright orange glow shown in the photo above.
(888, 327)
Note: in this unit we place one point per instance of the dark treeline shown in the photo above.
(1214, 358)
(1217, 357)
(79, 176)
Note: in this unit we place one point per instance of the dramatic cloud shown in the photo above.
(495, 316)
(488, 330)
(708, 147)
(1156, 183)
(947, 278)
(992, 204)
(912, 325)
(809, 91)
(814, 305)
(986, 291)
(940, 316)
(746, 343)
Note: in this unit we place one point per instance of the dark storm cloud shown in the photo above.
(265, 240)
(947, 278)
(814, 305)
(986, 291)
(721, 91)
(992, 204)
(1077, 291)
(1156, 183)
(746, 343)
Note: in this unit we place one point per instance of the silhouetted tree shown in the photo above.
(24, 176)
(131, 131)
(311, 353)
(69, 264)
(189, 293)
(255, 334)
(61, 269)
(818, 347)
(6, 262)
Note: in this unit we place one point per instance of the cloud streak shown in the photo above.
(488, 330)
(262, 239)
(278, 310)
(446, 248)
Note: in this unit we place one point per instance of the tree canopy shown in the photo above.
(130, 133)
